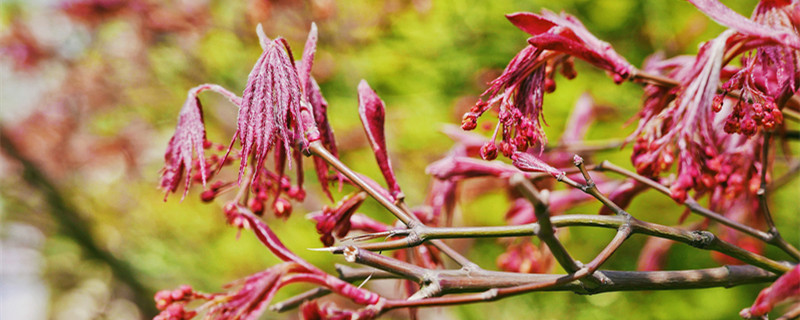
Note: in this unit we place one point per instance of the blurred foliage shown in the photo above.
(101, 134)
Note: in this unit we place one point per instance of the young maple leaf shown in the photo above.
(272, 94)
(372, 111)
(189, 137)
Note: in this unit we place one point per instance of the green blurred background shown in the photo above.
(95, 112)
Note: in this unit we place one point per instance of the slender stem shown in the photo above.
(408, 219)
(297, 300)
(776, 238)
(319, 150)
(725, 276)
(699, 239)
(542, 213)
(591, 189)
(762, 191)
(690, 202)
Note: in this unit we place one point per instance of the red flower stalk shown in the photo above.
(685, 125)
(623, 194)
(337, 219)
(189, 137)
(786, 287)
(372, 112)
(520, 89)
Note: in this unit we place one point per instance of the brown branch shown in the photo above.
(726, 276)
(317, 149)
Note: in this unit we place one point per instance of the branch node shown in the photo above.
(350, 253)
(703, 239)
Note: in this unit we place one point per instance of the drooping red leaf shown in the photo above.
(320, 107)
(786, 287)
(454, 168)
(372, 112)
(270, 104)
(528, 162)
(189, 137)
(731, 19)
(565, 33)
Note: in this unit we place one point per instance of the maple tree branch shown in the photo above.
(726, 276)
(317, 149)
(695, 207)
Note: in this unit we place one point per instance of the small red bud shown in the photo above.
(296, 193)
(489, 151)
(207, 144)
(256, 206)
(208, 195)
(282, 207)
(549, 85)
(716, 105)
(469, 122)
(568, 69)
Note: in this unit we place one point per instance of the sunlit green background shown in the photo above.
(429, 60)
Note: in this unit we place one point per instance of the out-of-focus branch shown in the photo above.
(75, 226)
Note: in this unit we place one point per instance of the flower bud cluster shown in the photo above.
(753, 110)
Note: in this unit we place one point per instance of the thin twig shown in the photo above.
(408, 219)
(695, 207)
(545, 227)
(776, 238)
